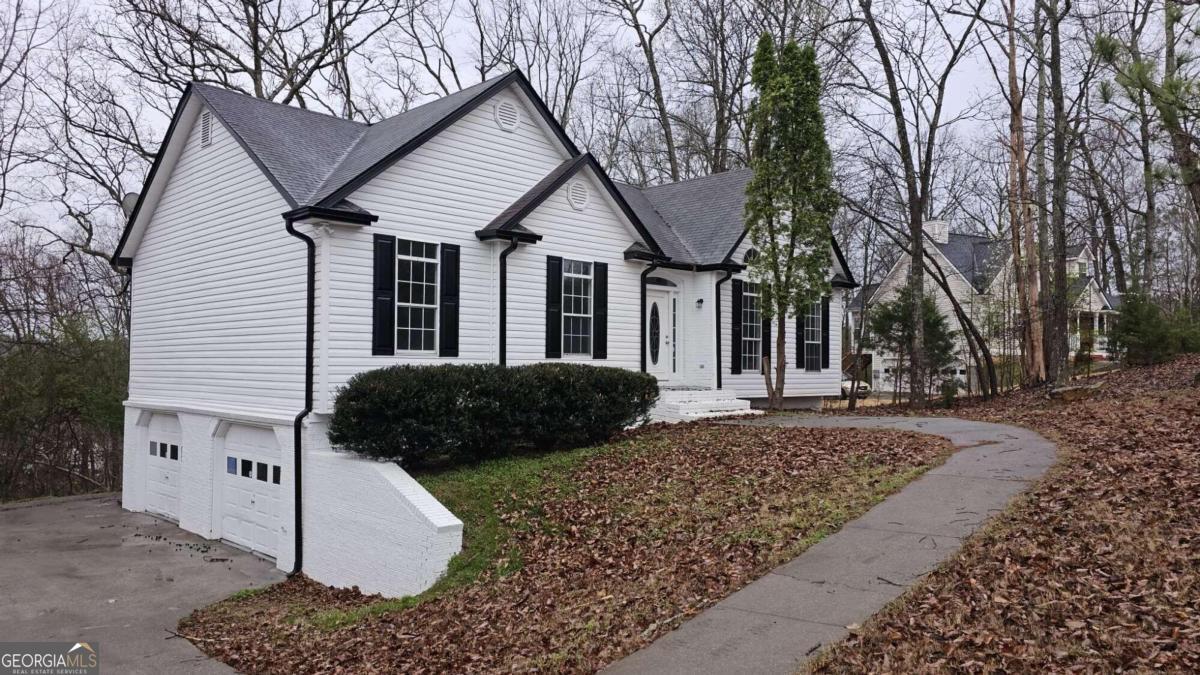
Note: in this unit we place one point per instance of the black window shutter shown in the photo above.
(600, 310)
(800, 340)
(824, 333)
(383, 299)
(766, 340)
(553, 307)
(735, 328)
(448, 301)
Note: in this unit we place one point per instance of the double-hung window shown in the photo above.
(812, 337)
(577, 307)
(751, 328)
(416, 296)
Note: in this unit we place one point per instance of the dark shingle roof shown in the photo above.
(700, 221)
(310, 155)
(705, 213)
(863, 294)
(978, 258)
(666, 236)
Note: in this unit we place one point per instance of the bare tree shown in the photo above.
(917, 47)
(647, 31)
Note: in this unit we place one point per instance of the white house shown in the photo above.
(275, 252)
(980, 275)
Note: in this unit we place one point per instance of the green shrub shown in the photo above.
(422, 415)
(1144, 334)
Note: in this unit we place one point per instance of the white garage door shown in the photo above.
(162, 471)
(250, 490)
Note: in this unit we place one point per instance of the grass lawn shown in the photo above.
(572, 560)
(1097, 569)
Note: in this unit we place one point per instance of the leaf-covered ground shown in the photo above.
(1097, 570)
(582, 559)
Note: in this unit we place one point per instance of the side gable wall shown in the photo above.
(218, 288)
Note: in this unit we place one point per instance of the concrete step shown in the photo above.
(678, 405)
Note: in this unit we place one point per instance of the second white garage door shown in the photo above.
(250, 511)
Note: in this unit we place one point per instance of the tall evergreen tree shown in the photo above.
(790, 200)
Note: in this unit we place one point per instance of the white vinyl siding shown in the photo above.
(600, 233)
(798, 382)
(442, 192)
(218, 291)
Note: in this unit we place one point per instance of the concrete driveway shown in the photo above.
(82, 569)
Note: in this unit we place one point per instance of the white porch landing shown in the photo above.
(685, 405)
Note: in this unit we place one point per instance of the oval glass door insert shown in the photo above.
(655, 333)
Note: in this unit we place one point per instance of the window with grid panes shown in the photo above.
(577, 307)
(416, 296)
(751, 328)
(812, 337)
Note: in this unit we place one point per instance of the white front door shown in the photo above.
(662, 311)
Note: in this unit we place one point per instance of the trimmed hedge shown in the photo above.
(421, 415)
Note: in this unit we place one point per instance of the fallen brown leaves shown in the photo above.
(1097, 570)
(639, 537)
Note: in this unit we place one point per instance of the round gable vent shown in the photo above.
(577, 195)
(508, 115)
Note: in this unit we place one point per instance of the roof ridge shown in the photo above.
(323, 189)
(439, 98)
(696, 178)
(252, 97)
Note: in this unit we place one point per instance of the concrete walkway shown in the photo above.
(776, 623)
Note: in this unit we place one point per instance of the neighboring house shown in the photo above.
(276, 252)
(980, 275)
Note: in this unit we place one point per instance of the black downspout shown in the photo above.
(298, 424)
(512, 246)
(728, 275)
(645, 273)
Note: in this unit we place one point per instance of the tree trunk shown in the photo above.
(1150, 214)
(1025, 266)
(1058, 366)
(1042, 196)
(1106, 216)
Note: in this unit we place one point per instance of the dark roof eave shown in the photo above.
(525, 237)
(117, 259)
(324, 213)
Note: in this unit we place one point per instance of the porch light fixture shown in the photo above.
(699, 303)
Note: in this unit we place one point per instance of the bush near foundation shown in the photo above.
(452, 414)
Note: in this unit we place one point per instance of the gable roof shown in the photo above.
(702, 220)
(510, 218)
(705, 213)
(314, 159)
(864, 294)
(977, 258)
